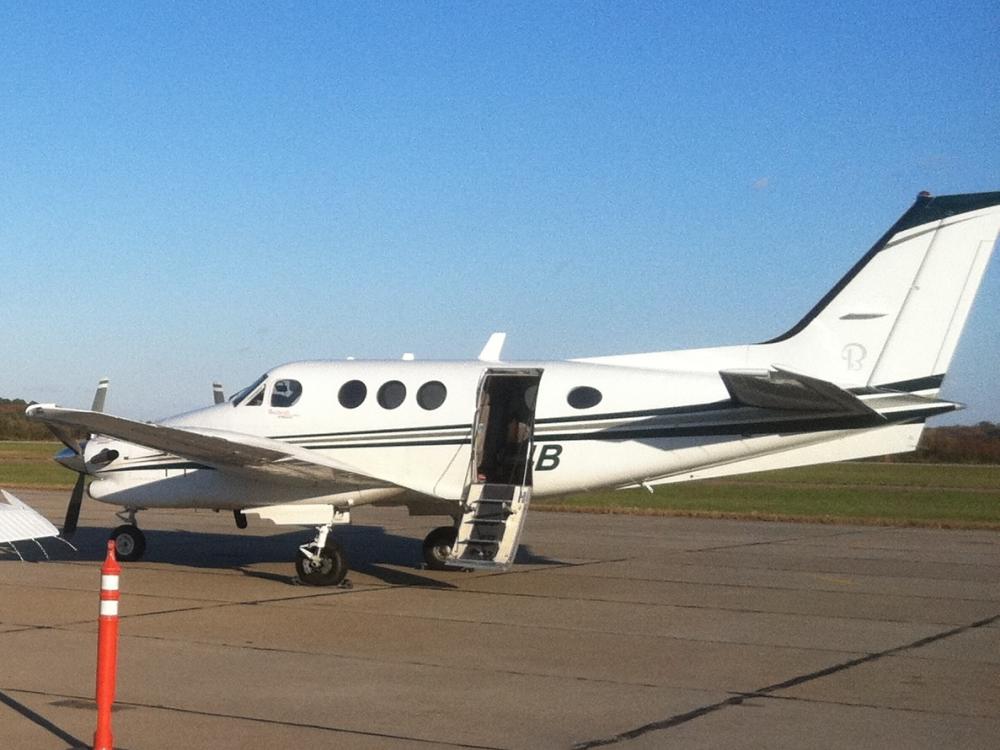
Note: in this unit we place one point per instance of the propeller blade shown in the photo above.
(73, 509)
(72, 459)
(71, 438)
(220, 397)
(100, 395)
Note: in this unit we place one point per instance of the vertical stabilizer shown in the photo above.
(897, 315)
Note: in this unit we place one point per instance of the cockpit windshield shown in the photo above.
(237, 398)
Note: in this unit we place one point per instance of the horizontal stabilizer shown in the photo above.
(18, 522)
(785, 390)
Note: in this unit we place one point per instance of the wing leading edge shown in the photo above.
(219, 449)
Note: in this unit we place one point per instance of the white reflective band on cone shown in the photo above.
(109, 583)
(109, 607)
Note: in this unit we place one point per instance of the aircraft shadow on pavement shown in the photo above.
(369, 550)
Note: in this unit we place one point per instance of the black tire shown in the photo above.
(329, 571)
(130, 543)
(437, 547)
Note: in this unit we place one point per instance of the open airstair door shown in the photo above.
(499, 488)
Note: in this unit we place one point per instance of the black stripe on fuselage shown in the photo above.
(369, 432)
(157, 467)
(691, 409)
(755, 429)
(929, 383)
(389, 444)
(792, 426)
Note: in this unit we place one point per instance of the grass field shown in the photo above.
(30, 464)
(882, 493)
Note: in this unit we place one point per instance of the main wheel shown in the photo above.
(130, 543)
(437, 547)
(329, 570)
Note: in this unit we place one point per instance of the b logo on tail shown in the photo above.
(854, 355)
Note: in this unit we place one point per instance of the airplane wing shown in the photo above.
(220, 449)
(18, 522)
(786, 390)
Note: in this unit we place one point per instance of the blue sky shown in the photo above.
(191, 192)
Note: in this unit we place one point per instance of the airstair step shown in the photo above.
(490, 527)
(498, 492)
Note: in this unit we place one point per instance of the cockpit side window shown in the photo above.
(237, 398)
(285, 393)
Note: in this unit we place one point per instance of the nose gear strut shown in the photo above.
(321, 562)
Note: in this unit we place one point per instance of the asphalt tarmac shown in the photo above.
(611, 631)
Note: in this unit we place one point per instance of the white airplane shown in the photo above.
(308, 441)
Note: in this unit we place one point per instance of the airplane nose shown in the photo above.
(71, 460)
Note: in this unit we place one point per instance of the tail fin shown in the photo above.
(895, 318)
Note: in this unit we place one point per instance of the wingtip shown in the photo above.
(37, 410)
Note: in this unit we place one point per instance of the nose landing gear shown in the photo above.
(322, 562)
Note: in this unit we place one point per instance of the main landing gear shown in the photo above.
(130, 542)
(322, 562)
(437, 547)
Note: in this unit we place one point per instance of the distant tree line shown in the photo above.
(960, 444)
(15, 426)
(973, 444)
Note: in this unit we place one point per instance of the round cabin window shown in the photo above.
(391, 394)
(431, 395)
(352, 394)
(584, 397)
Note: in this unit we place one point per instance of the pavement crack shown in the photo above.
(875, 706)
(785, 540)
(766, 691)
(24, 710)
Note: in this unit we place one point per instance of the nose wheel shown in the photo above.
(322, 562)
(130, 542)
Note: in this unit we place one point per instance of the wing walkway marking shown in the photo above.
(766, 692)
